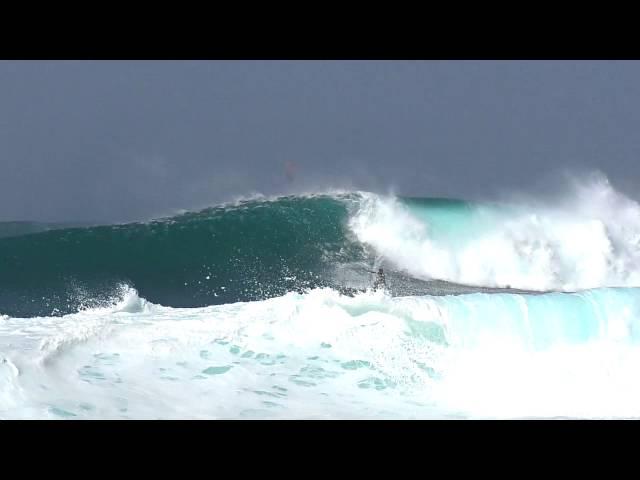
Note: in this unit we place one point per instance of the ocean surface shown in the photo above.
(263, 308)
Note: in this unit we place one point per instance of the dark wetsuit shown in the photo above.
(380, 280)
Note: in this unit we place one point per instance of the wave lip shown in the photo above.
(590, 239)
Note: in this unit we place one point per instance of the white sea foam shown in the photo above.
(323, 355)
(588, 239)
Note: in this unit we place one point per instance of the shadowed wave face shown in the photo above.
(252, 250)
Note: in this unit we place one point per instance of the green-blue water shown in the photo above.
(239, 311)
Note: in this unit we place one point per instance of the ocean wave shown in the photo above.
(325, 355)
(590, 238)
(256, 249)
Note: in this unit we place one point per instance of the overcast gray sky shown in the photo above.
(115, 141)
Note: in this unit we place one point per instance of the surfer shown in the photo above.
(380, 280)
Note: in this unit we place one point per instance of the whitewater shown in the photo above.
(263, 309)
